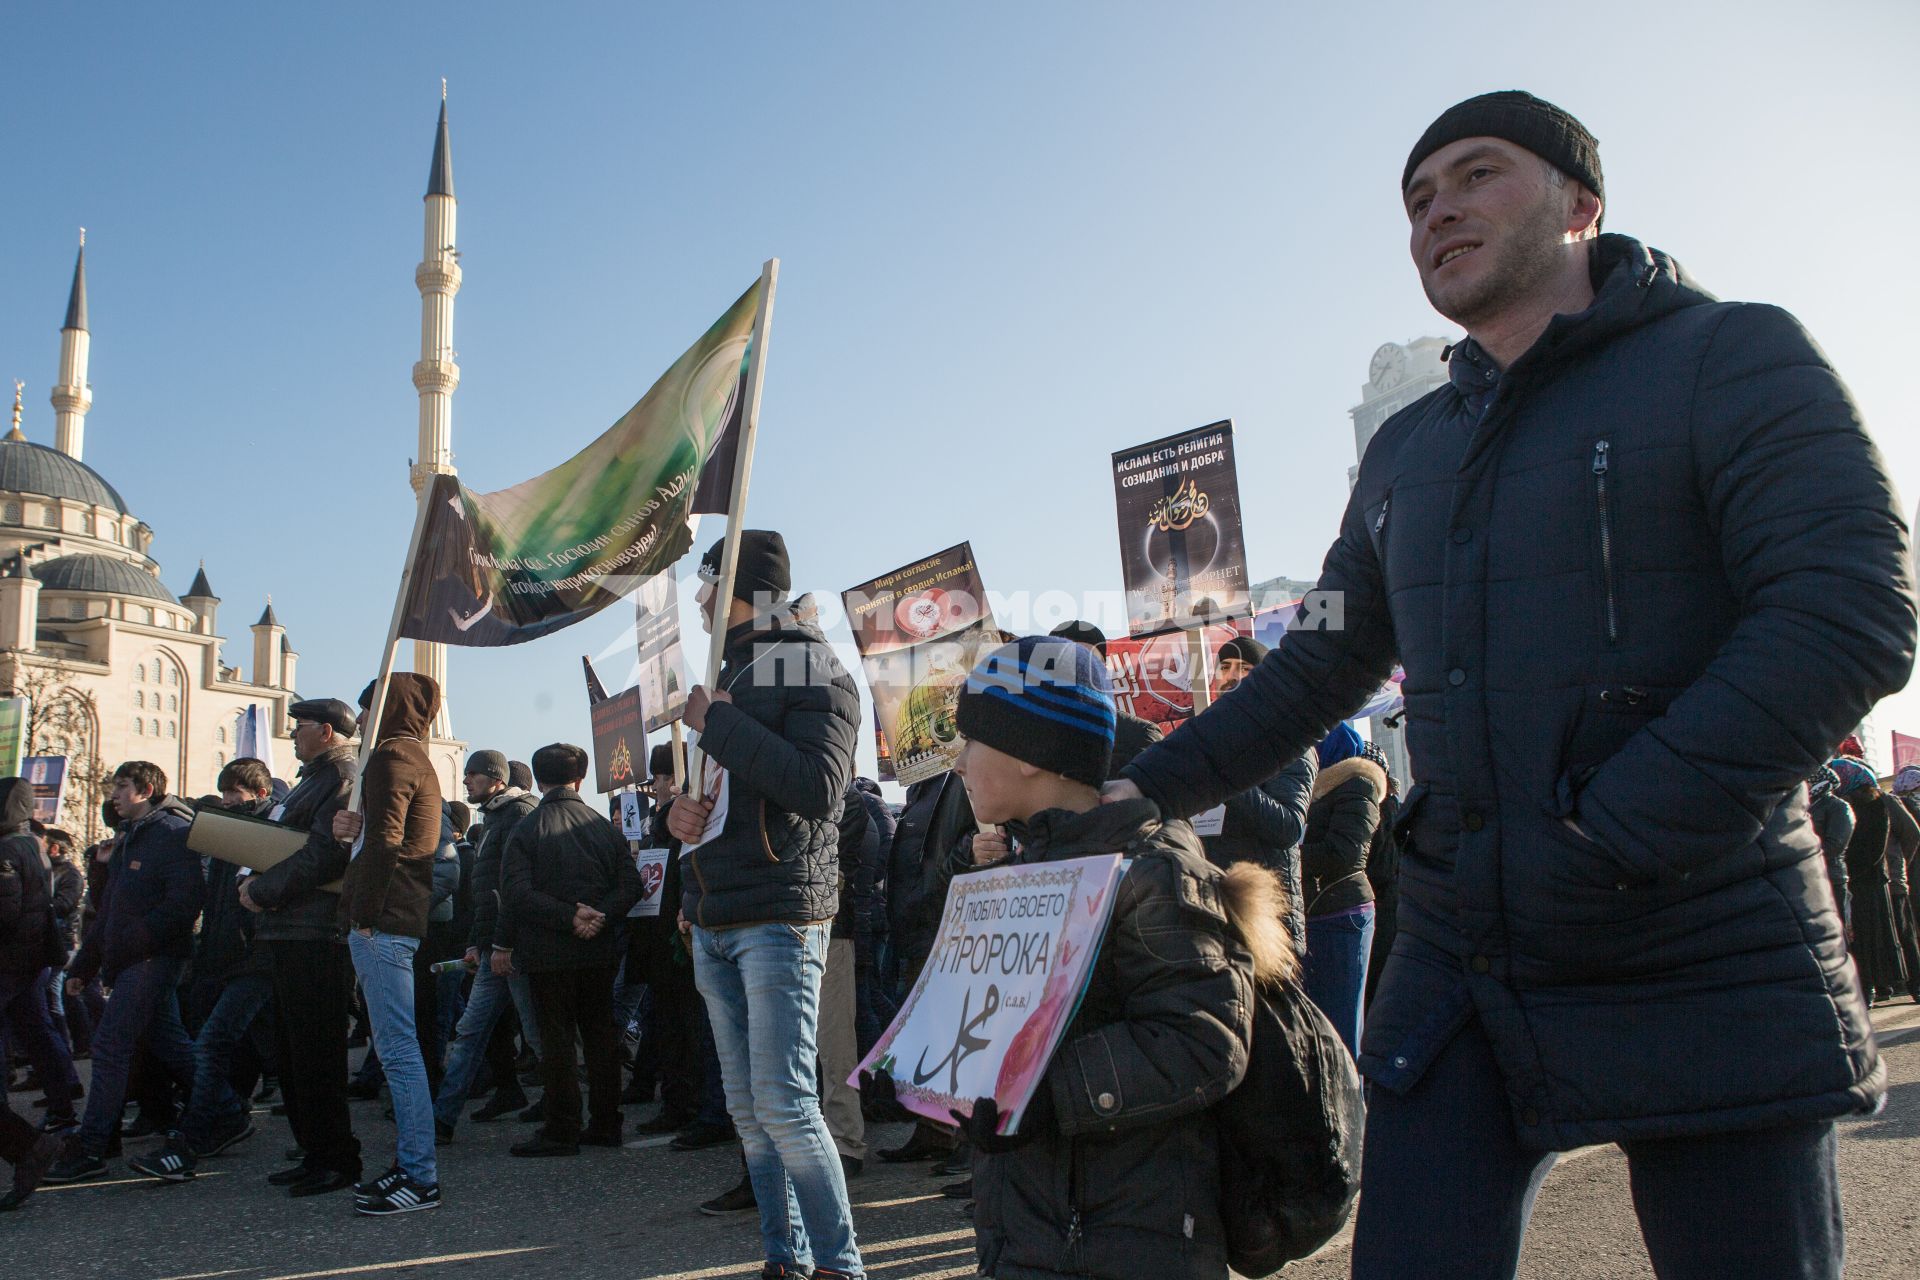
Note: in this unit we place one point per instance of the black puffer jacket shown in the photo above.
(153, 895)
(786, 741)
(1265, 825)
(1340, 829)
(870, 887)
(1642, 579)
(1124, 1182)
(296, 908)
(500, 815)
(1131, 736)
(26, 888)
(937, 820)
(560, 856)
(224, 946)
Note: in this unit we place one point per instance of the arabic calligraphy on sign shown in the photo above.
(1179, 509)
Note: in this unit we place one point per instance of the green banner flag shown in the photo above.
(506, 567)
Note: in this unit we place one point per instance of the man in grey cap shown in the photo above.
(312, 977)
(501, 805)
(1643, 567)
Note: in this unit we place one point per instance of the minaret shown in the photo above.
(71, 395)
(267, 635)
(204, 604)
(436, 375)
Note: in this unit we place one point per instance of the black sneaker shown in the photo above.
(75, 1165)
(378, 1186)
(142, 1125)
(30, 1171)
(503, 1103)
(269, 1091)
(238, 1129)
(701, 1136)
(739, 1200)
(534, 1112)
(442, 1133)
(781, 1271)
(173, 1162)
(404, 1196)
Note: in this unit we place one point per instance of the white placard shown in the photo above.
(1210, 823)
(633, 821)
(652, 865)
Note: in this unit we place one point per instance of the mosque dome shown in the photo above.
(26, 467)
(102, 574)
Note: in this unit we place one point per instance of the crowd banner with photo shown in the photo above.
(919, 631)
(740, 440)
(1154, 676)
(619, 741)
(48, 774)
(663, 664)
(507, 567)
(1009, 967)
(15, 713)
(1183, 559)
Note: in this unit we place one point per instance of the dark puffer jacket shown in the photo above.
(786, 741)
(1265, 825)
(26, 888)
(499, 816)
(1124, 1182)
(153, 894)
(1340, 829)
(224, 947)
(1643, 579)
(560, 856)
(295, 907)
(927, 847)
(389, 884)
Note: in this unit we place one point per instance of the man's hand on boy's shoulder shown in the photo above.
(1120, 789)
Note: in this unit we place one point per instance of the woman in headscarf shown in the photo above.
(1876, 949)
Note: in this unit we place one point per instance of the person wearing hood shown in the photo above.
(232, 985)
(138, 947)
(1113, 1172)
(501, 806)
(779, 730)
(1640, 561)
(1341, 824)
(1875, 942)
(1832, 820)
(31, 949)
(384, 902)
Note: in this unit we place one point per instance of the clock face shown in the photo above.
(1388, 362)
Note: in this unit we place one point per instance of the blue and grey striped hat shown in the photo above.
(1046, 701)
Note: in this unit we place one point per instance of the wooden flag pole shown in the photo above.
(737, 502)
(372, 729)
(1197, 664)
(679, 755)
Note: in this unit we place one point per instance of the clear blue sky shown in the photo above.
(1014, 238)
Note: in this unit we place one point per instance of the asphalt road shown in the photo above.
(629, 1213)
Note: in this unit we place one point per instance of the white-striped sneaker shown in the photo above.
(404, 1196)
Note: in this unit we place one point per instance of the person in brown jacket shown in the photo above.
(383, 905)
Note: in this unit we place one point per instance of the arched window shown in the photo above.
(139, 698)
(153, 727)
(139, 727)
(173, 703)
(220, 735)
(173, 675)
(172, 729)
(13, 513)
(140, 671)
(220, 758)
(50, 516)
(86, 522)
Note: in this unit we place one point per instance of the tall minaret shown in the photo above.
(71, 395)
(436, 375)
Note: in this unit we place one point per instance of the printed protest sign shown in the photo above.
(1180, 538)
(652, 865)
(14, 714)
(663, 665)
(48, 774)
(1011, 962)
(633, 816)
(619, 742)
(1153, 676)
(919, 631)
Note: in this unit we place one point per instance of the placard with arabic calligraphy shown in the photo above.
(1180, 539)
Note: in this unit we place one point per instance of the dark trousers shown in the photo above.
(23, 1008)
(313, 989)
(16, 1135)
(221, 1034)
(1447, 1189)
(674, 1019)
(569, 1002)
(145, 1005)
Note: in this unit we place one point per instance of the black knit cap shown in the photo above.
(1044, 700)
(1516, 116)
(492, 764)
(1083, 633)
(763, 566)
(1244, 648)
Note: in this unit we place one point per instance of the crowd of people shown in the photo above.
(1644, 573)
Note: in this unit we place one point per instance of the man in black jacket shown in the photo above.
(761, 893)
(296, 904)
(142, 941)
(567, 882)
(502, 806)
(30, 946)
(233, 981)
(1643, 567)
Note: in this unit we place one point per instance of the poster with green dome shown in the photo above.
(919, 630)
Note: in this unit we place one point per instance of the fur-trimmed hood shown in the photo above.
(1345, 771)
(1256, 903)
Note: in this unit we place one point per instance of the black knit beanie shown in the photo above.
(1516, 116)
(763, 567)
(1083, 633)
(1244, 648)
(1044, 700)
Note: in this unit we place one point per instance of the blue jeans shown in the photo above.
(214, 1101)
(384, 962)
(145, 1004)
(1335, 972)
(1446, 1179)
(762, 988)
(485, 1003)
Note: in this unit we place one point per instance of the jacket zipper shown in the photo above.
(1600, 468)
